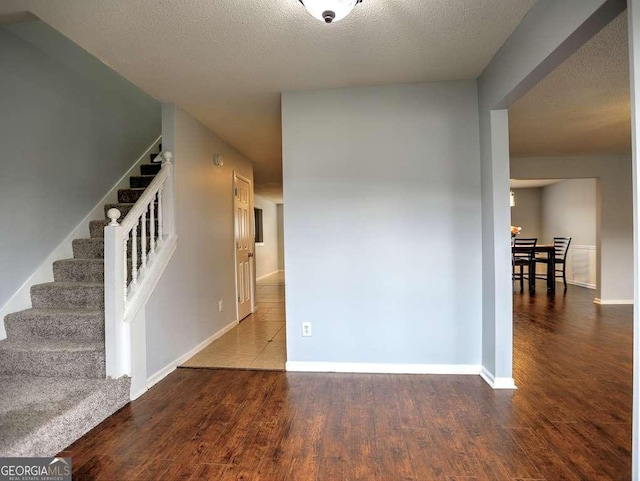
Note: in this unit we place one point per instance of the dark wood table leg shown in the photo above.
(532, 277)
(551, 273)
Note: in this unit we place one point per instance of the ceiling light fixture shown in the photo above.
(329, 11)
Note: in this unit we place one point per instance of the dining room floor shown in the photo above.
(258, 341)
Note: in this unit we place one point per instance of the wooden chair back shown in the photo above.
(525, 249)
(561, 245)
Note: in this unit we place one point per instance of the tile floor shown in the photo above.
(259, 341)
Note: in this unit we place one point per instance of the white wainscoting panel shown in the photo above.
(581, 266)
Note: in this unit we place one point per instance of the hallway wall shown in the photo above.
(183, 310)
(280, 218)
(267, 253)
(569, 210)
(527, 213)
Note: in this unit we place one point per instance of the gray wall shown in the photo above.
(280, 219)
(267, 254)
(69, 129)
(569, 210)
(615, 246)
(527, 213)
(183, 310)
(382, 231)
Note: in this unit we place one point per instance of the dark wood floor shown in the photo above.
(570, 419)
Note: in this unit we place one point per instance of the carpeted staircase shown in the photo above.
(52, 365)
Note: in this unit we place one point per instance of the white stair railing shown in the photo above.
(129, 284)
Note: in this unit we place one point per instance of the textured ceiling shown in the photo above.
(583, 106)
(227, 61)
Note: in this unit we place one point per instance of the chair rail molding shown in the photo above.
(148, 234)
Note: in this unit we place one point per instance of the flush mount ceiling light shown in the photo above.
(329, 11)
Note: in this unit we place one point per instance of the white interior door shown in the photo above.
(244, 246)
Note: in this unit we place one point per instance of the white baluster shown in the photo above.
(134, 255)
(152, 226)
(160, 218)
(143, 238)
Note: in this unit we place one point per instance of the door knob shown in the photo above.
(250, 254)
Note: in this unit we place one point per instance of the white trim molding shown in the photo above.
(169, 368)
(497, 382)
(578, 284)
(597, 300)
(376, 368)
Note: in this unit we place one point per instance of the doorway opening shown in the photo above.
(258, 340)
(576, 124)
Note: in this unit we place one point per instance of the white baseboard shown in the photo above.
(270, 274)
(135, 395)
(169, 368)
(375, 368)
(597, 300)
(456, 369)
(44, 273)
(497, 382)
(579, 284)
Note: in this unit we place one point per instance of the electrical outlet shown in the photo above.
(306, 329)
(220, 305)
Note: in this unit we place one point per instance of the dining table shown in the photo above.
(550, 252)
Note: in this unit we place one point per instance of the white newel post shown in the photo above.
(117, 338)
(167, 197)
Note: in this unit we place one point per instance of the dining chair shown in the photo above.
(523, 256)
(561, 247)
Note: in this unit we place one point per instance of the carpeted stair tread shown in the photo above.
(93, 248)
(79, 270)
(53, 324)
(96, 228)
(63, 358)
(138, 181)
(129, 195)
(41, 416)
(50, 345)
(68, 295)
(150, 169)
